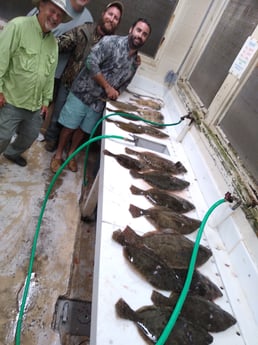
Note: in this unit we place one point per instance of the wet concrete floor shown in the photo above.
(64, 257)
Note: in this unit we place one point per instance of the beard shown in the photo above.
(49, 25)
(135, 43)
(107, 27)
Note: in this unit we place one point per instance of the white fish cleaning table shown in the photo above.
(114, 277)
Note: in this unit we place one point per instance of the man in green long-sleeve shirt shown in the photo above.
(28, 61)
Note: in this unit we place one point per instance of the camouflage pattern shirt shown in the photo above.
(110, 56)
(77, 42)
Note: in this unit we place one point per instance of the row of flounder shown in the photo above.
(162, 257)
(198, 317)
(148, 161)
(155, 256)
(157, 267)
(139, 129)
(153, 115)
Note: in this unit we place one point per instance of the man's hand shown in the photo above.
(111, 92)
(138, 60)
(2, 100)
(44, 112)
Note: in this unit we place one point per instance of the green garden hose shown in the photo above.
(127, 115)
(34, 244)
(170, 325)
(183, 295)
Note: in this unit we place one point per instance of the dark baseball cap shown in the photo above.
(117, 4)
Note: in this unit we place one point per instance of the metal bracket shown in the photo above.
(72, 317)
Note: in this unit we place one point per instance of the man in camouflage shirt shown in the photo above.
(78, 43)
(109, 69)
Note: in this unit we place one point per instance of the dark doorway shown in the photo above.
(14, 8)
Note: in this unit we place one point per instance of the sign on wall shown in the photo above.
(244, 57)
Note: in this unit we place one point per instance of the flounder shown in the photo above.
(161, 180)
(139, 129)
(160, 276)
(198, 310)
(162, 218)
(147, 103)
(138, 115)
(174, 249)
(126, 161)
(147, 114)
(156, 162)
(151, 115)
(160, 198)
(123, 105)
(151, 321)
(143, 96)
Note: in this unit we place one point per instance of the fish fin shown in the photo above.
(124, 310)
(134, 173)
(204, 287)
(136, 190)
(118, 236)
(135, 211)
(130, 151)
(150, 233)
(158, 299)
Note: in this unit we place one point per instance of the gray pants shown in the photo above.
(24, 123)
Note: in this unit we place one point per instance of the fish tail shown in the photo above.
(118, 236)
(124, 310)
(180, 167)
(135, 211)
(108, 153)
(136, 190)
(130, 235)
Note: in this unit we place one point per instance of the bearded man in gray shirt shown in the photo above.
(109, 69)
